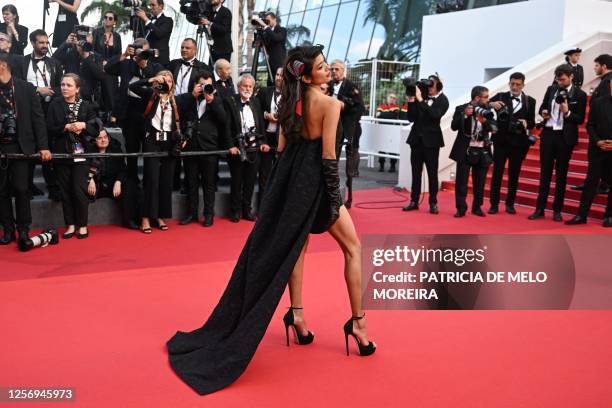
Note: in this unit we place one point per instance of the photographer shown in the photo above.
(425, 109)
(161, 123)
(133, 65)
(18, 34)
(108, 178)
(246, 127)
(22, 130)
(516, 117)
(205, 115)
(157, 30)
(220, 25)
(563, 110)
(269, 100)
(45, 74)
(352, 109)
(472, 149)
(72, 123)
(274, 39)
(599, 127)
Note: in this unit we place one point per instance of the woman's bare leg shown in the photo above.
(344, 233)
(295, 291)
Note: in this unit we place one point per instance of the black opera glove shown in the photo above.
(331, 179)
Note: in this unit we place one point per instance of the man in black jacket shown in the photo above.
(24, 131)
(134, 64)
(352, 109)
(516, 115)
(425, 140)
(187, 68)
(157, 30)
(224, 85)
(221, 29)
(274, 39)
(206, 115)
(563, 109)
(471, 150)
(247, 128)
(599, 127)
(269, 100)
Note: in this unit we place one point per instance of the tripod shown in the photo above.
(203, 36)
(258, 45)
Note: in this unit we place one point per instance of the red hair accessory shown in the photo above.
(296, 68)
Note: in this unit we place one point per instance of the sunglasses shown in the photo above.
(109, 18)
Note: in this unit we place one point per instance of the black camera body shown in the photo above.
(258, 15)
(134, 3)
(486, 113)
(160, 87)
(8, 126)
(562, 96)
(347, 100)
(248, 143)
(82, 31)
(423, 84)
(195, 10)
(145, 54)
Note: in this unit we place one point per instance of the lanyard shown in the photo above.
(187, 72)
(43, 72)
(10, 98)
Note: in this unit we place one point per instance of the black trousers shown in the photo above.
(600, 168)
(243, 176)
(72, 181)
(201, 171)
(479, 176)
(130, 199)
(157, 181)
(134, 133)
(381, 161)
(427, 156)
(15, 180)
(555, 154)
(514, 155)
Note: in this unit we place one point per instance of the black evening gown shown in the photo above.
(294, 204)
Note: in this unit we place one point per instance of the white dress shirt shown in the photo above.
(272, 126)
(162, 120)
(248, 120)
(183, 77)
(556, 116)
(38, 77)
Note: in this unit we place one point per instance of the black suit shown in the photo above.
(51, 72)
(275, 42)
(510, 147)
(350, 117)
(603, 89)
(578, 71)
(243, 174)
(31, 137)
(464, 126)
(599, 127)
(425, 140)
(209, 134)
(158, 33)
(265, 97)
(221, 31)
(556, 146)
(17, 47)
(194, 69)
(71, 175)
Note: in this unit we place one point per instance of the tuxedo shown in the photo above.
(459, 153)
(184, 70)
(599, 127)
(511, 147)
(51, 74)
(209, 134)
(243, 174)
(275, 41)
(350, 117)
(158, 33)
(225, 89)
(221, 31)
(556, 145)
(425, 140)
(31, 137)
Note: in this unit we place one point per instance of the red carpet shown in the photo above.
(104, 333)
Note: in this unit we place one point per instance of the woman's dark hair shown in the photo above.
(13, 10)
(113, 13)
(294, 89)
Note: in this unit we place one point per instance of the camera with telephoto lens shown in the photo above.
(47, 237)
(8, 125)
(562, 96)
(248, 143)
(484, 112)
(134, 3)
(82, 31)
(411, 85)
(145, 54)
(195, 10)
(258, 15)
(503, 115)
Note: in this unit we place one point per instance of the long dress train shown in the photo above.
(294, 204)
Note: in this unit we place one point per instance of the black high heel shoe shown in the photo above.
(366, 350)
(288, 320)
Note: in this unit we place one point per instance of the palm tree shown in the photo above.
(402, 21)
(297, 32)
(99, 7)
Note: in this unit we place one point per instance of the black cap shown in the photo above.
(573, 51)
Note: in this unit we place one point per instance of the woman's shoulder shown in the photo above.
(326, 102)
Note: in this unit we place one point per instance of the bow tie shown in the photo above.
(244, 103)
(187, 63)
(37, 60)
(515, 98)
(335, 82)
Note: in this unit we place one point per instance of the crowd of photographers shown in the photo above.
(499, 131)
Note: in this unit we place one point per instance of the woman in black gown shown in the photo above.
(66, 20)
(302, 197)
